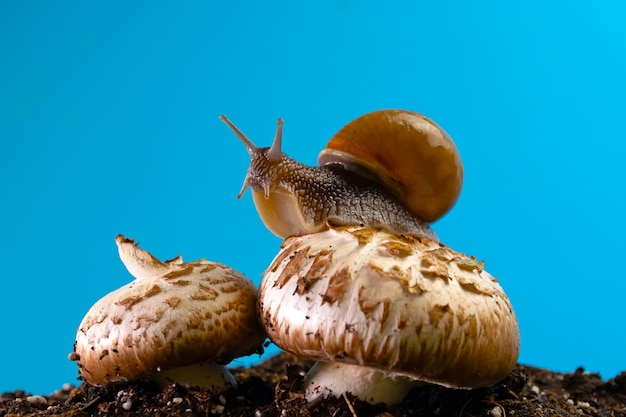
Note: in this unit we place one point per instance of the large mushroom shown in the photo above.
(175, 322)
(380, 311)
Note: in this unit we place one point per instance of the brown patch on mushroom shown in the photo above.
(287, 250)
(376, 309)
(224, 277)
(116, 319)
(208, 268)
(413, 240)
(154, 290)
(437, 312)
(144, 320)
(293, 266)
(336, 286)
(471, 327)
(321, 263)
(304, 284)
(230, 287)
(469, 263)
(399, 275)
(204, 293)
(129, 302)
(172, 301)
(363, 235)
(432, 267)
(396, 249)
(181, 282)
(178, 273)
(474, 285)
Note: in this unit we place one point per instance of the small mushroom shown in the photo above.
(380, 311)
(175, 322)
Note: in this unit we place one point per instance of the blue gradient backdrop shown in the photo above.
(109, 124)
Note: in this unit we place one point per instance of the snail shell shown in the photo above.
(409, 153)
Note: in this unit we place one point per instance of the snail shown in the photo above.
(391, 169)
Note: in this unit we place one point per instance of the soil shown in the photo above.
(274, 388)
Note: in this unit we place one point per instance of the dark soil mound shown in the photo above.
(273, 388)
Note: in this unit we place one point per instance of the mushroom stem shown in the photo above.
(207, 375)
(367, 384)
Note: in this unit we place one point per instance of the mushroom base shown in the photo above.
(207, 375)
(368, 384)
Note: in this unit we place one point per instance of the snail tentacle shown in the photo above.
(250, 146)
(276, 153)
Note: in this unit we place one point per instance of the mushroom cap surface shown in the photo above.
(408, 305)
(173, 314)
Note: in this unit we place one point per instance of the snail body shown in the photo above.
(295, 199)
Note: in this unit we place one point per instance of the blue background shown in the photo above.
(109, 124)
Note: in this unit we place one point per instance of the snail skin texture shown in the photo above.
(380, 311)
(350, 188)
(175, 322)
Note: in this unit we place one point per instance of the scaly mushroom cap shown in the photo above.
(173, 314)
(407, 305)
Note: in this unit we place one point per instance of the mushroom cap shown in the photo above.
(404, 304)
(173, 314)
